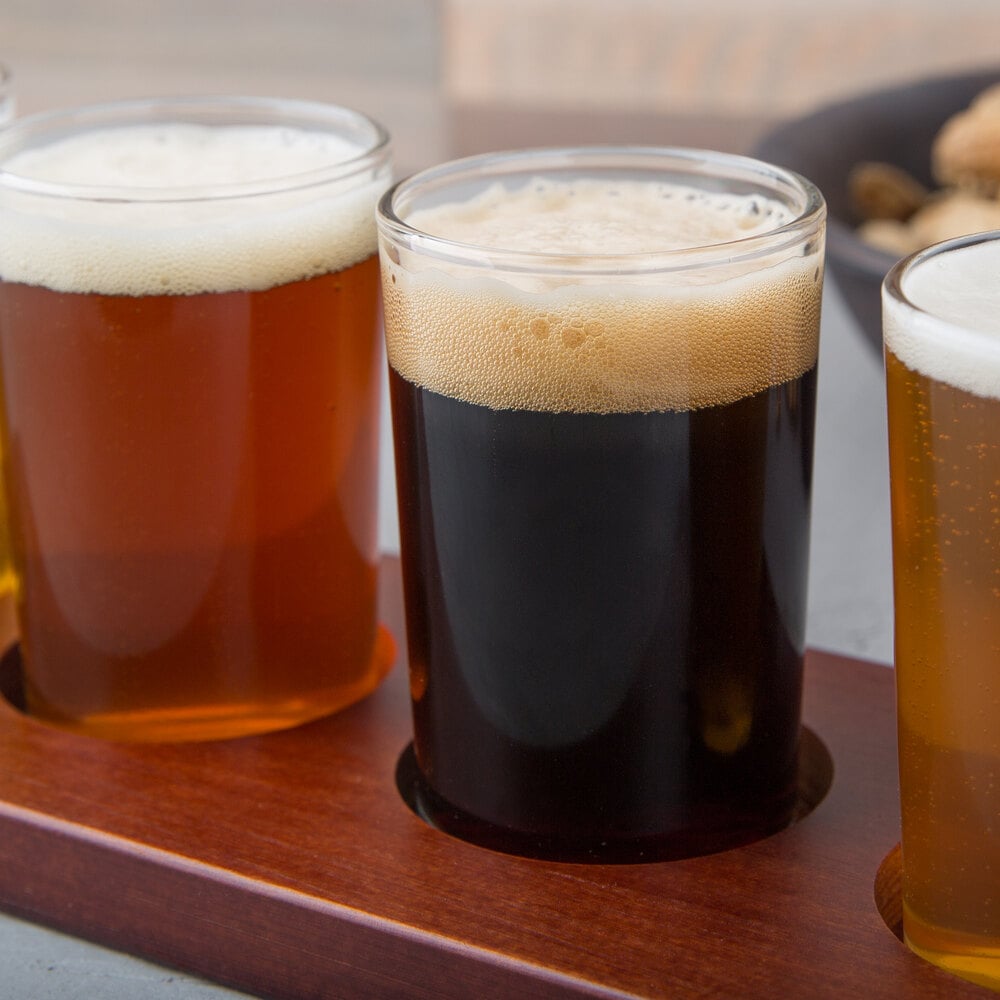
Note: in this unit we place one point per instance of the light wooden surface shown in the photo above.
(770, 58)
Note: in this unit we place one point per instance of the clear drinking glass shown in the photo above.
(942, 355)
(190, 353)
(602, 373)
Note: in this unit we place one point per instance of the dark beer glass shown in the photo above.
(190, 366)
(602, 374)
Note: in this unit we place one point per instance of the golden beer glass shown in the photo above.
(190, 356)
(942, 355)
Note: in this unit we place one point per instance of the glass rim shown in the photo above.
(892, 284)
(664, 161)
(221, 110)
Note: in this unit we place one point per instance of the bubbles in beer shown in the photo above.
(138, 245)
(671, 340)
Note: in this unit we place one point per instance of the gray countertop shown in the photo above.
(850, 578)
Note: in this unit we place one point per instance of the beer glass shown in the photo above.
(190, 359)
(602, 376)
(942, 357)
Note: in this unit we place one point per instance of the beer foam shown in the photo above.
(599, 217)
(956, 336)
(188, 244)
(673, 340)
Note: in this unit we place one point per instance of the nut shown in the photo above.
(884, 191)
(890, 235)
(966, 152)
(954, 213)
(900, 217)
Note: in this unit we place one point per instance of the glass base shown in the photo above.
(670, 846)
(971, 957)
(183, 724)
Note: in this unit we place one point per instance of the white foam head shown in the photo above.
(953, 333)
(200, 208)
(582, 341)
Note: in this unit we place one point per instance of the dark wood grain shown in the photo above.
(288, 866)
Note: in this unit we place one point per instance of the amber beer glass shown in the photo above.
(942, 355)
(602, 373)
(190, 359)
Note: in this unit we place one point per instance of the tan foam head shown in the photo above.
(144, 247)
(669, 341)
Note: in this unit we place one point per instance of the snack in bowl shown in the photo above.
(901, 216)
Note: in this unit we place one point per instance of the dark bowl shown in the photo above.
(897, 126)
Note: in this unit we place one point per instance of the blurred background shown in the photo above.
(450, 77)
(444, 74)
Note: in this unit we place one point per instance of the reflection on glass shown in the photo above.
(6, 570)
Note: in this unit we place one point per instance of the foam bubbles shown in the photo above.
(145, 247)
(956, 337)
(673, 341)
(598, 217)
